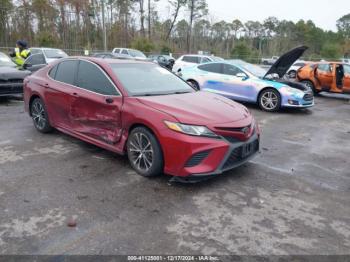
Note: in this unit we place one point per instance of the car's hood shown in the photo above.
(198, 108)
(285, 61)
(7, 73)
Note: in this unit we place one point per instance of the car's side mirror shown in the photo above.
(242, 76)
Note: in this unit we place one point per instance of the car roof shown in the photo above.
(196, 55)
(99, 60)
(45, 48)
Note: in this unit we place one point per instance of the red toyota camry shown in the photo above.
(142, 110)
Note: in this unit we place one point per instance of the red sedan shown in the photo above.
(142, 110)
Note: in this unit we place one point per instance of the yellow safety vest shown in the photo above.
(21, 56)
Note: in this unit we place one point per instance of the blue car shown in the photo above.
(246, 82)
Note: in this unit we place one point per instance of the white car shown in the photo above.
(191, 60)
(292, 71)
(133, 53)
(49, 54)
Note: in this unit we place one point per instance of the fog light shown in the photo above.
(293, 102)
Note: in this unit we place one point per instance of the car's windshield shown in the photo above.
(253, 69)
(55, 53)
(136, 53)
(6, 61)
(149, 79)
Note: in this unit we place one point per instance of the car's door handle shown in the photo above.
(109, 100)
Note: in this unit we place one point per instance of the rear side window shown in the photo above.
(53, 71)
(325, 67)
(205, 60)
(191, 59)
(346, 69)
(125, 52)
(37, 59)
(299, 64)
(213, 68)
(66, 71)
(231, 70)
(92, 78)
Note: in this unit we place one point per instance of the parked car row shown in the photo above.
(189, 128)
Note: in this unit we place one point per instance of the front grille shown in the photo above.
(196, 159)
(232, 139)
(238, 154)
(234, 129)
(308, 97)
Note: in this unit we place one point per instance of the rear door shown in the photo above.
(325, 76)
(97, 104)
(346, 86)
(59, 90)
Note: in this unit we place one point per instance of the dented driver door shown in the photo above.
(96, 105)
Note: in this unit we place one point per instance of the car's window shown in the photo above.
(136, 53)
(125, 52)
(191, 59)
(231, 70)
(66, 71)
(346, 69)
(92, 78)
(35, 51)
(324, 68)
(37, 59)
(53, 71)
(144, 79)
(117, 50)
(55, 53)
(205, 60)
(299, 64)
(212, 67)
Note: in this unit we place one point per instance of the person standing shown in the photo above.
(20, 53)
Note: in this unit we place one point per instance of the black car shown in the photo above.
(163, 60)
(11, 78)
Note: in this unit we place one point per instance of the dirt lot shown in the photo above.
(291, 199)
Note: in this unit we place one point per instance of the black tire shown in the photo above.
(308, 83)
(144, 152)
(292, 74)
(269, 100)
(194, 84)
(40, 116)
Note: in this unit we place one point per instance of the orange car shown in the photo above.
(326, 76)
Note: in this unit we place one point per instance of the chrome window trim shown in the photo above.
(79, 59)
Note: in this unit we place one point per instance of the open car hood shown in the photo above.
(285, 61)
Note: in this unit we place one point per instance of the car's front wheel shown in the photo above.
(269, 100)
(144, 152)
(40, 116)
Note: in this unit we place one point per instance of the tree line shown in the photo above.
(75, 25)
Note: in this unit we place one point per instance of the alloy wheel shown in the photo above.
(38, 114)
(269, 100)
(141, 151)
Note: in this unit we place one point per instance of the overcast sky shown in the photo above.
(324, 13)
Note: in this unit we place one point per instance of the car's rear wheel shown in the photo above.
(310, 85)
(292, 74)
(40, 116)
(270, 100)
(194, 84)
(144, 152)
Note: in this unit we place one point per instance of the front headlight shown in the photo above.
(293, 91)
(190, 129)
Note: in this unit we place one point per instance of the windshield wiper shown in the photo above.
(152, 94)
(181, 92)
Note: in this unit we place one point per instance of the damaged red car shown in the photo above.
(141, 109)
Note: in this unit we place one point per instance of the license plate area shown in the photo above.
(249, 149)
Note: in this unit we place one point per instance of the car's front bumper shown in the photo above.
(307, 100)
(191, 159)
(8, 88)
